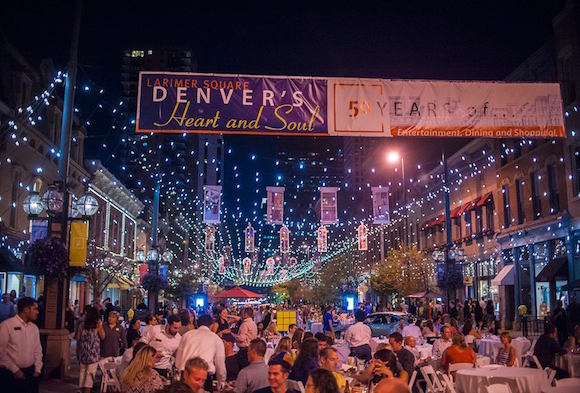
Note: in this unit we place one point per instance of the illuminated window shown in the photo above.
(137, 53)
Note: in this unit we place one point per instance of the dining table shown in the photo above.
(522, 380)
(490, 346)
(569, 362)
(561, 389)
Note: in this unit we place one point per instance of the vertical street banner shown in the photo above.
(322, 239)
(249, 234)
(328, 205)
(211, 204)
(143, 270)
(209, 245)
(163, 271)
(38, 230)
(362, 237)
(381, 213)
(284, 240)
(79, 234)
(275, 205)
(247, 263)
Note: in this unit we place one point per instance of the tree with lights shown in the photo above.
(101, 269)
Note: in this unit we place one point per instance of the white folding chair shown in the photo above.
(551, 373)
(459, 366)
(526, 357)
(412, 379)
(537, 362)
(447, 382)
(432, 380)
(109, 378)
(498, 388)
(568, 382)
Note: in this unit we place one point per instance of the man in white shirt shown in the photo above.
(166, 342)
(412, 330)
(441, 344)
(20, 349)
(208, 346)
(358, 337)
(246, 333)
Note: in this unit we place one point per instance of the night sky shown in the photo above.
(482, 40)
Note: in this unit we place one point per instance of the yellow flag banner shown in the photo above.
(79, 233)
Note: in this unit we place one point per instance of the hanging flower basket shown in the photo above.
(153, 282)
(48, 257)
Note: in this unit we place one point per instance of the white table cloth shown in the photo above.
(426, 350)
(570, 362)
(561, 389)
(522, 380)
(480, 362)
(315, 327)
(490, 346)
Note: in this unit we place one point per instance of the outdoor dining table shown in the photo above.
(316, 327)
(561, 389)
(570, 362)
(522, 380)
(490, 346)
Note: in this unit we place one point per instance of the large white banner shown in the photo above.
(381, 213)
(275, 205)
(211, 204)
(328, 205)
(371, 107)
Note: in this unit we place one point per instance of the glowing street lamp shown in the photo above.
(394, 157)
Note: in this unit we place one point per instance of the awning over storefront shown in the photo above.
(572, 286)
(121, 282)
(556, 268)
(505, 276)
(9, 262)
(485, 199)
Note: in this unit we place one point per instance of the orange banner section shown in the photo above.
(79, 233)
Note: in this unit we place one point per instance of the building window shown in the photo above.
(517, 149)
(478, 220)
(520, 200)
(575, 164)
(457, 222)
(468, 230)
(489, 218)
(553, 188)
(506, 206)
(536, 203)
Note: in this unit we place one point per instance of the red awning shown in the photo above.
(484, 199)
(455, 212)
(238, 293)
(434, 221)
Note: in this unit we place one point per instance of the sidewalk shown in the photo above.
(69, 384)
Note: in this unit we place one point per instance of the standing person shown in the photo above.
(232, 360)
(478, 313)
(246, 333)
(88, 337)
(205, 344)
(560, 320)
(327, 319)
(224, 321)
(133, 332)
(292, 328)
(466, 311)
(139, 376)
(150, 329)
(306, 362)
(255, 375)
(115, 338)
(20, 349)
(166, 343)
(187, 321)
(489, 312)
(413, 308)
(267, 316)
(7, 309)
(358, 337)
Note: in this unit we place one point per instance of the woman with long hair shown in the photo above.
(271, 330)
(139, 376)
(283, 351)
(321, 381)
(297, 338)
(506, 356)
(306, 361)
(89, 335)
(383, 365)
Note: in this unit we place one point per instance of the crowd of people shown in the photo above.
(241, 349)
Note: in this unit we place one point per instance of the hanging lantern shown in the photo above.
(247, 263)
(322, 239)
(210, 239)
(53, 200)
(249, 238)
(33, 204)
(362, 237)
(284, 240)
(87, 205)
(270, 266)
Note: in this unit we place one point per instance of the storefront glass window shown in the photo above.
(524, 277)
(2, 282)
(541, 256)
(542, 299)
(29, 286)
(13, 283)
(560, 294)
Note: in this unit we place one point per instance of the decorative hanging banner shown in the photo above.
(221, 265)
(284, 239)
(247, 263)
(328, 205)
(270, 266)
(163, 271)
(249, 238)
(209, 239)
(322, 239)
(275, 205)
(143, 270)
(79, 234)
(381, 213)
(362, 237)
(211, 204)
(174, 102)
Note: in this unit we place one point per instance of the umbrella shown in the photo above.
(238, 293)
(425, 294)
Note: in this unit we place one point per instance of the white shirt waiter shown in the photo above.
(205, 344)
(357, 335)
(20, 345)
(166, 341)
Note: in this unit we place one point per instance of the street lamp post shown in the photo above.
(394, 157)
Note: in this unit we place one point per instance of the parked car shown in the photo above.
(381, 323)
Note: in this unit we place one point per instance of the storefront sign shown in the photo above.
(282, 105)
